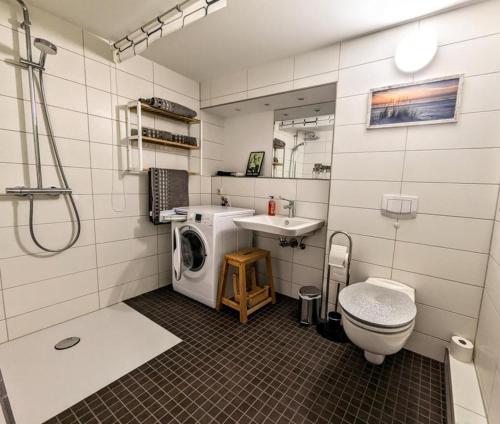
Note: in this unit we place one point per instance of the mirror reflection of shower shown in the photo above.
(302, 145)
(46, 48)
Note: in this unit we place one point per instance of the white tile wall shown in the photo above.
(443, 253)
(487, 353)
(305, 70)
(120, 254)
(453, 168)
(293, 268)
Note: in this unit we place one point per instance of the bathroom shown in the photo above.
(113, 324)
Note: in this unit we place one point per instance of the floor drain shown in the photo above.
(67, 343)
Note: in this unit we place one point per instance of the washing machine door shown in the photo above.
(190, 252)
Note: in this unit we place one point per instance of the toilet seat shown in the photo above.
(375, 329)
(376, 307)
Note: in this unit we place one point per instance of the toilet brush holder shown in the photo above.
(332, 329)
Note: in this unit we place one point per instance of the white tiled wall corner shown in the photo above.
(487, 350)
(119, 253)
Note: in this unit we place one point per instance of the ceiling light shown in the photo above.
(415, 51)
(300, 98)
(317, 110)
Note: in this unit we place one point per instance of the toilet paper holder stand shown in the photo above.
(329, 325)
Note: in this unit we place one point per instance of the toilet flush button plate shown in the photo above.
(399, 206)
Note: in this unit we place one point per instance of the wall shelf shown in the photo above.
(139, 108)
(161, 112)
(162, 142)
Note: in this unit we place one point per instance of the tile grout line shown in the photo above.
(396, 223)
(91, 176)
(157, 228)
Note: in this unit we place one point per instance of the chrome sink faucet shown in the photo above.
(290, 207)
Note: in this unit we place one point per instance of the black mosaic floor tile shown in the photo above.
(271, 370)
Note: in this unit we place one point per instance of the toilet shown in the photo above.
(378, 316)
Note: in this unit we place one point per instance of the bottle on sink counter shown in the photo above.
(271, 206)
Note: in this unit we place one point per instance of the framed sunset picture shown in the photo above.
(432, 101)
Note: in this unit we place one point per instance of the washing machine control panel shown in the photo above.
(200, 218)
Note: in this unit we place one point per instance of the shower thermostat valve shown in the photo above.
(47, 191)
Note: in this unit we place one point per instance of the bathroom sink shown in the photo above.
(281, 225)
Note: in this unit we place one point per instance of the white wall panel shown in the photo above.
(86, 94)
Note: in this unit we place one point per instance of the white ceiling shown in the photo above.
(299, 103)
(246, 32)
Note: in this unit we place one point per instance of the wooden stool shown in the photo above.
(245, 300)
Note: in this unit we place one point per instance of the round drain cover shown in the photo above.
(67, 343)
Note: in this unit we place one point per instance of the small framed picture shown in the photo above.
(433, 101)
(254, 165)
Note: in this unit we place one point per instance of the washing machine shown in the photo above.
(199, 245)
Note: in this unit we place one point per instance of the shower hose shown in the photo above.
(53, 144)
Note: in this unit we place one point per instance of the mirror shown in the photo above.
(302, 141)
(294, 130)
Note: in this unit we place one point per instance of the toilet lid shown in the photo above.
(377, 306)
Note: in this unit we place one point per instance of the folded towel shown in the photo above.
(169, 106)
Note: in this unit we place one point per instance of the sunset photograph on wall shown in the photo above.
(432, 101)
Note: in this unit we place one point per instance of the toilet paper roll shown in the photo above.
(461, 349)
(338, 256)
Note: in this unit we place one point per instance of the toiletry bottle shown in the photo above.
(271, 206)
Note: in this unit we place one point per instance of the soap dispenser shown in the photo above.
(271, 206)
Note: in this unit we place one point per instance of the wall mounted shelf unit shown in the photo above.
(138, 139)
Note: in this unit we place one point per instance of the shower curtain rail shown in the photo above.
(174, 19)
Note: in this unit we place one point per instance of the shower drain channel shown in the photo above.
(67, 343)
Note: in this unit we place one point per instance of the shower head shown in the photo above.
(294, 148)
(45, 47)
